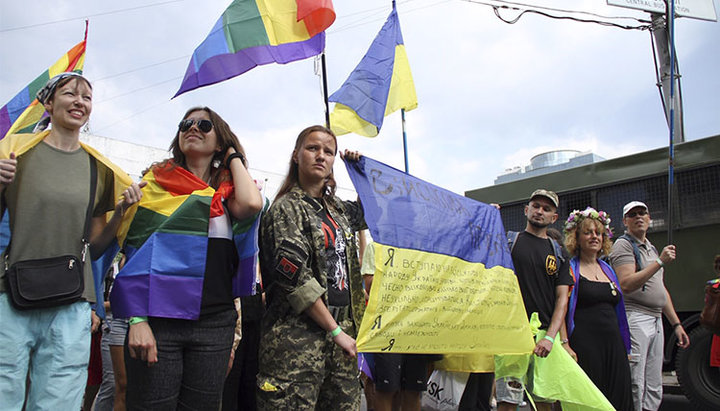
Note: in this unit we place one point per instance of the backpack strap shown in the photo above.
(557, 250)
(512, 237)
(636, 250)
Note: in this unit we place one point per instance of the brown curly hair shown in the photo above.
(571, 237)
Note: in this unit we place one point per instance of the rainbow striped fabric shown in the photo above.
(20, 144)
(255, 32)
(380, 85)
(21, 113)
(165, 240)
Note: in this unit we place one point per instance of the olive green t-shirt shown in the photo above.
(47, 203)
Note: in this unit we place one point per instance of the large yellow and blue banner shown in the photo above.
(444, 280)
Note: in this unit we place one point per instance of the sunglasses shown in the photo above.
(203, 125)
(632, 214)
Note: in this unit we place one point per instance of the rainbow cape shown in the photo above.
(255, 32)
(380, 84)
(21, 143)
(21, 113)
(165, 240)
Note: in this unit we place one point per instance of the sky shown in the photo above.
(491, 95)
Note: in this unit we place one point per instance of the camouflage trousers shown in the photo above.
(301, 368)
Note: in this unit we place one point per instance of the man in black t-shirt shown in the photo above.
(544, 280)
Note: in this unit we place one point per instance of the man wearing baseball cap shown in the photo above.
(639, 268)
(544, 280)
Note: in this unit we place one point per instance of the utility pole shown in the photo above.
(663, 53)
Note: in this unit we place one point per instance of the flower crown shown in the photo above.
(577, 216)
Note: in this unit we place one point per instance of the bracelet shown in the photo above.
(233, 156)
(659, 261)
(547, 337)
(135, 320)
(565, 341)
(336, 331)
(676, 325)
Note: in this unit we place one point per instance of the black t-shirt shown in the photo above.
(538, 272)
(220, 267)
(336, 258)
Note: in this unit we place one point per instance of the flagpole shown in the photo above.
(671, 145)
(325, 90)
(402, 116)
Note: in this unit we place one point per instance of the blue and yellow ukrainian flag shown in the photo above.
(380, 85)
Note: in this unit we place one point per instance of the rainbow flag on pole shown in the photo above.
(380, 85)
(255, 32)
(165, 240)
(22, 113)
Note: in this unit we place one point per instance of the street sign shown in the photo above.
(696, 9)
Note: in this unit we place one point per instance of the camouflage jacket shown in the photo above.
(292, 254)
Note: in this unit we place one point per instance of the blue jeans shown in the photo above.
(52, 345)
(193, 357)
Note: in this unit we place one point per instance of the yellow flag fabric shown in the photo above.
(425, 302)
(380, 84)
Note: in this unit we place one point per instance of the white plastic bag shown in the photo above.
(444, 390)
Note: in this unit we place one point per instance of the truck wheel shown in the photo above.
(699, 381)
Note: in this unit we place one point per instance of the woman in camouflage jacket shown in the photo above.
(315, 300)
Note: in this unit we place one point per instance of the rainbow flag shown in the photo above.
(380, 85)
(444, 280)
(165, 240)
(21, 113)
(255, 32)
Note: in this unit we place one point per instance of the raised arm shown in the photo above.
(247, 200)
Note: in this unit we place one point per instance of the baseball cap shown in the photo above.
(550, 195)
(629, 206)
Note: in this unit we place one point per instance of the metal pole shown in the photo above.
(666, 61)
(402, 115)
(671, 148)
(325, 90)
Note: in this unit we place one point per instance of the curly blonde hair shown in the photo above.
(571, 237)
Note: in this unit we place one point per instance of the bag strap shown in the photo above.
(91, 203)
(88, 213)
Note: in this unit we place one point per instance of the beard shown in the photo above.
(536, 224)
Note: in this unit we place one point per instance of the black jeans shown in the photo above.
(192, 360)
(241, 383)
(478, 391)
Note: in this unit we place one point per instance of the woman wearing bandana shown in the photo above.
(45, 186)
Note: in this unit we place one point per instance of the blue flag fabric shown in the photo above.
(399, 206)
(380, 84)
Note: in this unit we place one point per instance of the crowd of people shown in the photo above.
(291, 346)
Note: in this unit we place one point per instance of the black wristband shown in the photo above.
(676, 325)
(233, 156)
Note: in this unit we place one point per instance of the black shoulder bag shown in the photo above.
(50, 282)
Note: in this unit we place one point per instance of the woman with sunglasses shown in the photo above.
(596, 322)
(183, 264)
(46, 187)
(314, 292)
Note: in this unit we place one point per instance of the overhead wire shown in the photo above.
(644, 24)
(90, 15)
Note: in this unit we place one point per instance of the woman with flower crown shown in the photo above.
(596, 322)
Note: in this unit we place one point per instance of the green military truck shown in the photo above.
(608, 185)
